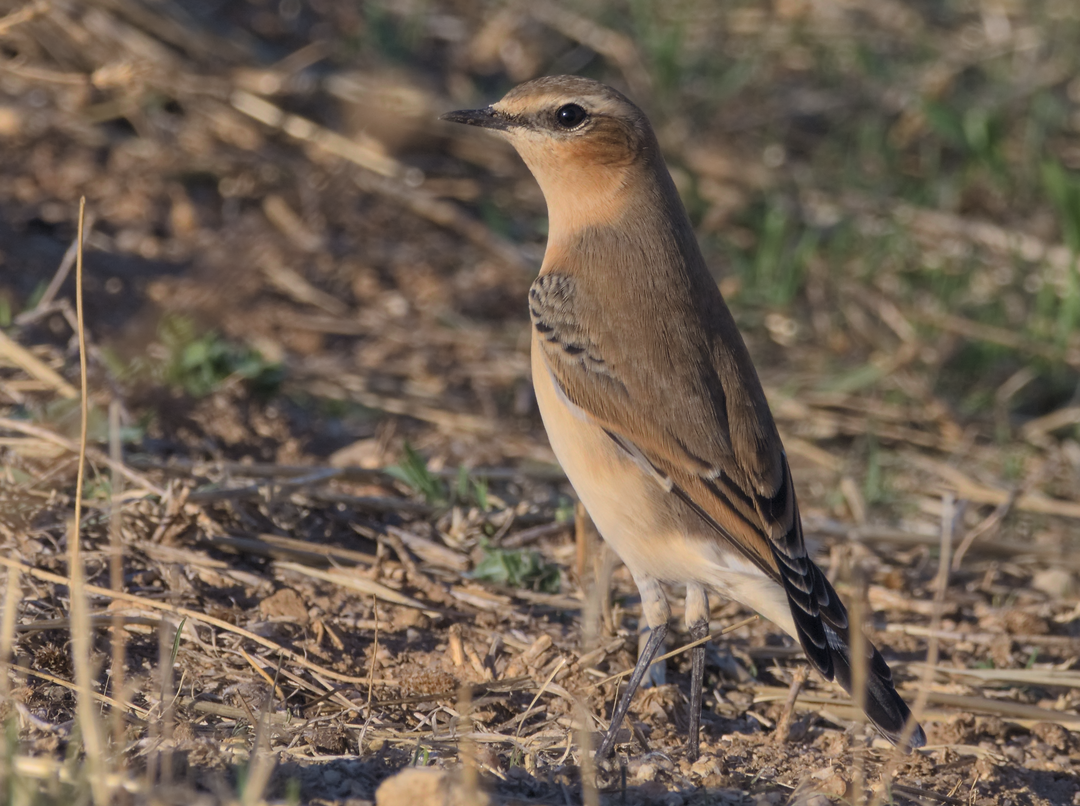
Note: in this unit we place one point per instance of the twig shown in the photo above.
(98, 457)
(1007, 709)
(231, 712)
(1036, 430)
(996, 335)
(987, 525)
(519, 539)
(290, 282)
(61, 273)
(505, 686)
(431, 554)
(783, 725)
(96, 620)
(12, 595)
(371, 677)
(34, 367)
(1021, 677)
(318, 476)
(970, 490)
(1004, 708)
(116, 568)
(376, 503)
(470, 779)
(362, 584)
(262, 760)
(1064, 642)
(886, 534)
(303, 129)
(590, 795)
(21, 15)
(859, 667)
(49, 770)
(539, 693)
(927, 793)
(80, 620)
(287, 548)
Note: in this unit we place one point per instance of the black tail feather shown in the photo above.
(883, 705)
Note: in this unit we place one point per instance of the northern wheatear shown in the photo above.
(649, 396)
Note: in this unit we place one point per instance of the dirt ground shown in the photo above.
(342, 545)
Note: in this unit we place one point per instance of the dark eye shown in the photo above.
(570, 116)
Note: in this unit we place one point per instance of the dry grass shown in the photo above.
(296, 284)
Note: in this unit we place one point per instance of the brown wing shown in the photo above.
(694, 413)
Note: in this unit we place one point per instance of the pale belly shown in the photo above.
(655, 536)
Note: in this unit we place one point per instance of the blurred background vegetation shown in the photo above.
(889, 192)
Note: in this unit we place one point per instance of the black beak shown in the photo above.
(486, 118)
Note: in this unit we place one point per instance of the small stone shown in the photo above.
(1053, 734)
(285, 604)
(1054, 582)
(427, 786)
(645, 772)
(706, 765)
(835, 787)
(647, 767)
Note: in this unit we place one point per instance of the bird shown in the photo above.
(651, 402)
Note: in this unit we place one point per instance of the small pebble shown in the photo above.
(647, 767)
(430, 787)
(645, 772)
(705, 766)
(1054, 582)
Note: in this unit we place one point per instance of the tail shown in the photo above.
(833, 659)
(883, 705)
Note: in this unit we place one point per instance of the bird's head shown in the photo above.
(583, 141)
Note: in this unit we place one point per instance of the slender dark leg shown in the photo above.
(698, 630)
(657, 674)
(697, 621)
(656, 638)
